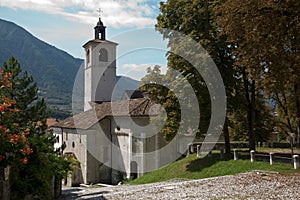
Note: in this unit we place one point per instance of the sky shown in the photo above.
(68, 24)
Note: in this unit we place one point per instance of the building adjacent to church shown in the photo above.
(111, 139)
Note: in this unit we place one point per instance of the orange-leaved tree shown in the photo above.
(26, 144)
(14, 144)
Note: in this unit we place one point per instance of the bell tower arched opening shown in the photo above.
(103, 55)
(100, 31)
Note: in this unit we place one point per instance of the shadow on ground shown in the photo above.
(78, 193)
(198, 165)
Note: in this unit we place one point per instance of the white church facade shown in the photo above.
(111, 139)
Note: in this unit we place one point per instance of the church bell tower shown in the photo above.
(100, 68)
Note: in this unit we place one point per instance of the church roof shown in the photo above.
(98, 41)
(133, 107)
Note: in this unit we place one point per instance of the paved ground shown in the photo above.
(252, 185)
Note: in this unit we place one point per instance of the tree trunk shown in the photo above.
(252, 117)
(297, 95)
(298, 132)
(250, 99)
(57, 186)
(4, 184)
(226, 136)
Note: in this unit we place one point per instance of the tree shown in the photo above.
(266, 36)
(30, 150)
(196, 19)
(162, 90)
(14, 143)
(264, 121)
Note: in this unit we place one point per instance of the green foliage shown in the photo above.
(189, 18)
(34, 176)
(245, 50)
(266, 36)
(15, 146)
(264, 121)
(160, 90)
(196, 20)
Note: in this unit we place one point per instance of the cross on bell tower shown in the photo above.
(100, 28)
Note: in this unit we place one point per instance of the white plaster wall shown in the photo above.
(122, 153)
(88, 78)
(100, 77)
(137, 144)
(104, 73)
(57, 132)
(79, 138)
(99, 151)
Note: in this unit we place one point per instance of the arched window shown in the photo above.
(103, 55)
(88, 56)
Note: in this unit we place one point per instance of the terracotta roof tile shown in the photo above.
(51, 121)
(132, 107)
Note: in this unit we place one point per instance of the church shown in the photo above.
(112, 140)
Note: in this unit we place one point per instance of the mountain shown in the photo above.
(125, 83)
(52, 69)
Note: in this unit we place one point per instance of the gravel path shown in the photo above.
(251, 185)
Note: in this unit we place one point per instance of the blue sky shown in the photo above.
(68, 24)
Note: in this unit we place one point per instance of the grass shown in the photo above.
(193, 168)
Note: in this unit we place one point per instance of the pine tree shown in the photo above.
(36, 163)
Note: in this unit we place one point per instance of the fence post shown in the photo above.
(235, 154)
(222, 153)
(252, 155)
(198, 151)
(296, 161)
(271, 158)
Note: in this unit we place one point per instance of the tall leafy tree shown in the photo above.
(166, 90)
(196, 19)
(266, 35)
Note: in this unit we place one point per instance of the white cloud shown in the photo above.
(136, 67)
(142, 67)
(117, 13)
(138, 71)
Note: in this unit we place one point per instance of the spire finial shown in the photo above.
(100, 12)
(100, 28)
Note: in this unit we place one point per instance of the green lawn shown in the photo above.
(193, 168)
